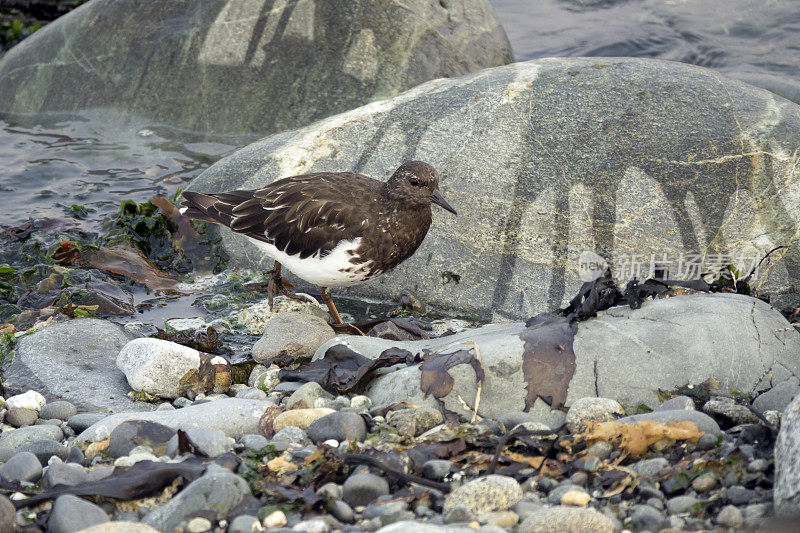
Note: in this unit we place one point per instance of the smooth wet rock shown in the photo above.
(132, 433)
(656, 201)
(217, 490)
(618, 338)
(233, 416)
(342, 426)
(64, 474)
(586, 410)
(363, 489)
(676, 404)
(8, 515)
(20, 437)
(567, 520)
(730, 516)
(294, 334)
(244, 524)
(291, 435)
(83, 421)
(301, 418)
(20, 417)
(681, 504)
(646, 517)
(341, 511)
(71, 514)
(485, 494)
(437, 469)
(778, 397)
(307, 395)
(44, 449)
(156, 366)
(210, 442)
(254, 442)
(30, 400)
(60, 409)
(47, 361)
(23, 466)
(226, 56)
(787, 462)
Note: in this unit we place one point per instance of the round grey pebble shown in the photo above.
(59, 409)
(44, 449)
(362, 489)
(649, 467)
(64, 474)
(180, 402)
(254, 442)
(707, 442)
(730, 516)
(330, 492)
(645, 517)
(459, 513)
(6, 453)
(251, 393)
(655, 503)
(436, 469)
(291, 434)
(557, 493)
(23, 466)
(758, 465)
(341, 511)
(75, 455)
(341, 426)
(244, 523)
(21, 417)
(83, 421)
(681, 504)
(738, 495)
(71, 514)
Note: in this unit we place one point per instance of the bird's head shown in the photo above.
(418, 183)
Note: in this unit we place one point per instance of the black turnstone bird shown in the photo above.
(331, 229)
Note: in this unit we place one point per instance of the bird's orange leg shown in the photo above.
(276, 281)
(325, 294)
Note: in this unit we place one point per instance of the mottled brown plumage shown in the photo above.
(331, 228)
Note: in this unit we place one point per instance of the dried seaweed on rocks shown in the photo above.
(203, 341)
(213, 374)
(436, 380)
(548, 360)
(184, 237)
(342, 370)
(422, 453)
(634, 439)
(138, 481)
(364, 328)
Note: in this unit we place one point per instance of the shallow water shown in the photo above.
(50, 163)
(756, 41)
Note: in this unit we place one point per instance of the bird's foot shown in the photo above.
(279, 283)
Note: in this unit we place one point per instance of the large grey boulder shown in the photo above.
(787, 462)
(622, 354)
(651, 164)
(245, 66)
(74, 361)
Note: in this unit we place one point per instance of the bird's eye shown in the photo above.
(414, 181)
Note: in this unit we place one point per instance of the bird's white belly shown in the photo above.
(325, 271)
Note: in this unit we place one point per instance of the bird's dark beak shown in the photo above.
(438, 199)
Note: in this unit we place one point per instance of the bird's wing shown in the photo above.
(307, 214)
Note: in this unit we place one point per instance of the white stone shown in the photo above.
(156, 366)
(30, 400)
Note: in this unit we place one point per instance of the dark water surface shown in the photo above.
(757, 41)
(49, 164)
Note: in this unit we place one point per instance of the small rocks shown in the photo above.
(58, 409)
(678, 403)
(730, 411)
(254, 442)
(648, 468)
(363, 489)
(567, 519)
(307, 395)
(208, 441)
(704, 482)
(217, 489)
(587, 410)
(436, 469)
(778, 397)
(244, 524)
(646, 517)
(704, 422)
(294, 334)
(341, 426)
(485, 494)
(19, 417)
(301, 418)
(681, 504)
(708, 441)
(71, 514)
(415, 421)
(23, 466)
(30, 400)
(64, 474)
(132, 433)
(730, 516)
(255, 318)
